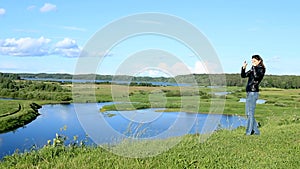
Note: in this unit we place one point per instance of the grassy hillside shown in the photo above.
(278, 146)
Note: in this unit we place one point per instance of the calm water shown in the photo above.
(84, 119)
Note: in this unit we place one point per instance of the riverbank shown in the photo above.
(278, 146)
(142, 97)
(15, 114)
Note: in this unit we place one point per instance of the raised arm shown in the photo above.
(243, 71)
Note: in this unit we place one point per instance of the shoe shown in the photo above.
(258, 124)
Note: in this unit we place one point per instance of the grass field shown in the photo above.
(278, 146)
(16, 113)
(7, 107)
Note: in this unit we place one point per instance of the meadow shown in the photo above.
(15, 114)
(278, 146)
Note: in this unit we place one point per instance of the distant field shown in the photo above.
(278, 146)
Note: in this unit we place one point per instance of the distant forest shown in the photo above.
(277, 81)
(11, 86)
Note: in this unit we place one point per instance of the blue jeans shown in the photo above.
(252, 126)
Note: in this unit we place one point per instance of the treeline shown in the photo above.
(10, 76)
(92, 77)
(12, 87)
(142, 84)
(45, 76)
(277, 81)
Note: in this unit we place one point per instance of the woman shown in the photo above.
(255, 75)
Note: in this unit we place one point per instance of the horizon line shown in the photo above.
(142, 76)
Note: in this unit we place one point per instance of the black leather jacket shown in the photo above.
(255, 75)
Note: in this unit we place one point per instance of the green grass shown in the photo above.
(8, 107)
(278, 146)
(15, 118)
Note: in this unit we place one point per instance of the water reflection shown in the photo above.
(147, 123)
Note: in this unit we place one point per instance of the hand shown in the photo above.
(245, 65)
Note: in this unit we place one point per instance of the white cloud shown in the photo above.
(67, 47)
(198, 68)
(30, 8)
(48, 7)
(2, 11)
(152, 72)
(174, 69)
(39, 47)
(24, 46)
(66, 43)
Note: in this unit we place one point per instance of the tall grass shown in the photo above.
(277, 147)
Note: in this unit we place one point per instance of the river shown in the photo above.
(86, 122)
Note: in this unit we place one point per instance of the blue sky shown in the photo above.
(48, 36)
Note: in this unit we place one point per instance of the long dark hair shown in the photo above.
(257, 57)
